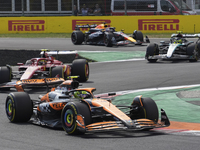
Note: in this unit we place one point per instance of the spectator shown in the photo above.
(85, 10)
(97, 10)
(75, 11)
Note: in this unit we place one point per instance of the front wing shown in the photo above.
(174, 56)
(138, 124)
(21, 84)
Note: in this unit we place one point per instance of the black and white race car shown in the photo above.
(178, 47)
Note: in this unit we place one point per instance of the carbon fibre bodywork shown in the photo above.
(103, 35)
(85, 112)
(43, 67)
(178, 47)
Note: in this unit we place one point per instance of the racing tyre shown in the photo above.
(108, 39)
(5, 74)
(150, 109)
(192, 51)
(57, 71)
(138, 36)
(80, 67)
(69, 116)
(19, 107)
(198, 47)
(77, 37)
(152, 50)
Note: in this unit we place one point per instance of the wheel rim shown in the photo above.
(68, 118)
(10, 108)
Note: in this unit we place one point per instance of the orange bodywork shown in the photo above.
(36, 82)
(112, 109)
(45, 98)
(57, 106)
(108, 125)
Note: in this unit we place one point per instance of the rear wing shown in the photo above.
(57, 52)
(187, 35)
(77, 27)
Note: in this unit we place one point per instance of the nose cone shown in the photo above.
(131, 39)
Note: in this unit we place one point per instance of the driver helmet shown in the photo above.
(80, 94)
(178, 41)
(41, 62)
(179, 34)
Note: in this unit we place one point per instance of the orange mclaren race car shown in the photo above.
(103, 35)
(44, 67)
(77, 110)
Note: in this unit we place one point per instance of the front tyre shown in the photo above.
(138, 36)
(108, 39)
(19, 107)
(77, 37)
(80, 67)
(152, 50)
(69, 116)
(150, 109)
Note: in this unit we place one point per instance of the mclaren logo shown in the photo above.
(158, 24)
(26, 25)
(89, 22)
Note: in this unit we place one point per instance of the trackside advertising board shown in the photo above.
(66, 24)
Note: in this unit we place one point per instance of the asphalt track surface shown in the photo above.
(105, 77)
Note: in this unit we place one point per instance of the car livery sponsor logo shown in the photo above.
(58, 105)
(158, 24)
(89, 22)
(29, 81)
(26, 25)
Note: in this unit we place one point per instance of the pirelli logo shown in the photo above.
(158, 24)
(89, 22)
(26, 25)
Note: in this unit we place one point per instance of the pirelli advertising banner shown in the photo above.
(66, 24)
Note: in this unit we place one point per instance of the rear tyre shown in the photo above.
(5, 74)
(108, 39)
(69, 115)
(138, 36)
(57, 72)
(19, 107)
(77, 37)
(193, 51)
(80, 67)
(152, 50)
